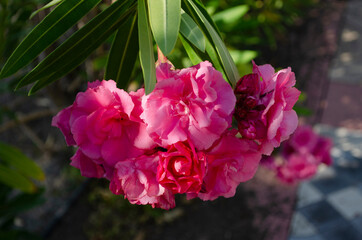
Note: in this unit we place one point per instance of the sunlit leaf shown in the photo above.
(46, 32)
(50, 4)
(203, 10)
(165, 18)
(123, 53)
(147, 57)
(194, 57)
(303, 111)
(214, 57)
(242, 57)
(192, 32)
(231, 15)
(16, 159)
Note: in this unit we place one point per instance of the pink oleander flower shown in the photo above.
(136, 180)
(306, 141)
(181, 169)
(297, 167)
(264, 106)
(231, 160)
(88, 167)
(104, 123)
(250, 106)
(301, 155)
(193, 103)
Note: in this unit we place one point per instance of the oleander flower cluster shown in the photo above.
(300, 156)
(179, 139)
(264, 109)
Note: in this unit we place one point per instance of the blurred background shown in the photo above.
(320, 40)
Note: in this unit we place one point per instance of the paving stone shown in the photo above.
(340, 230)
(348, 202)
(321, 214)
(315, 237)
(352, 173)
(332, 184)
(301, 227)
(357, 223)
(307, 194)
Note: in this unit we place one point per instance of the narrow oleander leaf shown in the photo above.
(79, 46)
(55, 24)
(211, 52)
(15, 158)
(14, 179)
(192, 32)
(147, 57)
(187, 8)
(226, 60)
(50, 4)
(123, 54)
(203, 10)
(196, 56)
(214, 57)
(193, 55)
(165, 19)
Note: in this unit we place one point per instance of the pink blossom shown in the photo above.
(136, 180)
(230, 161)
(104, 122)
(181, 169)
(193, 103)
(297, 167)
(301, 155)
(264, 108)
(250, 107)
(87, 166)
(306, 141)
(322, 151)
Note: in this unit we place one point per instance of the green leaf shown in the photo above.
(203, 10)
(193, 55)
(231, 16)
(214, 57)
(50, 4)
(147, 57)
(242, 57)
(303, 111)
(79, 46)
(46, 32)
(165, 18)
(16, 159)
(196, 56)
(14, 179)
(123, 53)
(192, 32)
(226, 60)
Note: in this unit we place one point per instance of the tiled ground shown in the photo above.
(349, 56)
(329, 206)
